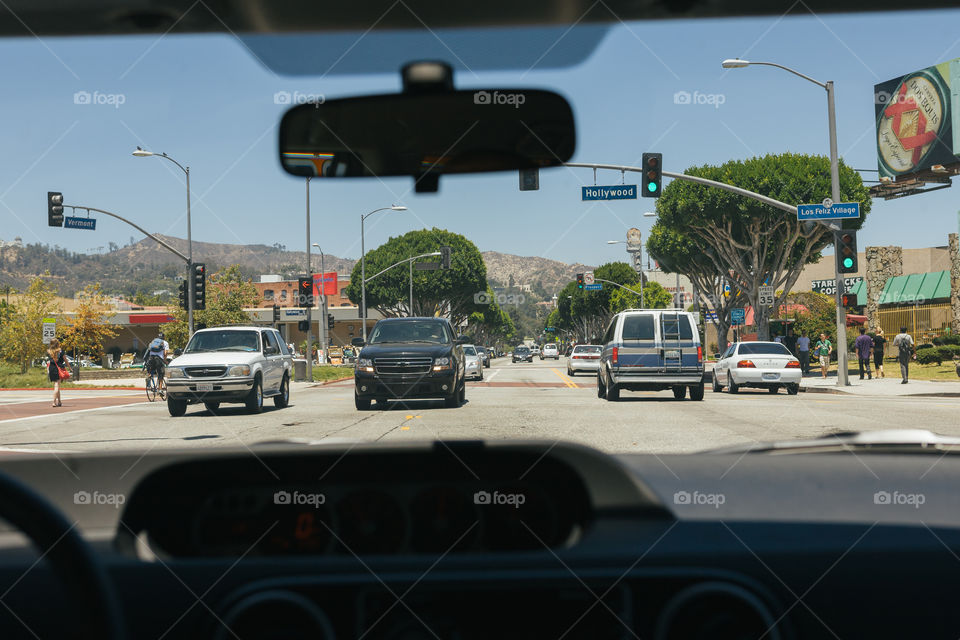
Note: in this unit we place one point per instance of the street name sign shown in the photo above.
(835, 211)
(611, 192)
(426, 266)
(594, 287)
(80, 223)
(738, 315)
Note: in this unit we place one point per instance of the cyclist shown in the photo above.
(155, 358)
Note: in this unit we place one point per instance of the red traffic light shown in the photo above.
(849, 300)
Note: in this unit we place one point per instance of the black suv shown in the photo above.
(410, 358)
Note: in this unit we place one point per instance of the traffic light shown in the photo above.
(305, 292)
(182, 296)
(529, 179)
(304, 325)
(444, 257)
(199, 286)
(579, 281)
(54, 209)
(849, 300)
(846, 246)
(652, 175)
(330, 321)
(276, 314)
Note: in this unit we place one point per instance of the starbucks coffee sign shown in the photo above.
(829, 287)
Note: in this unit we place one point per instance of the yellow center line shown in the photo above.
(570, 383)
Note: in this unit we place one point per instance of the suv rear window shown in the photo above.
(638, 326)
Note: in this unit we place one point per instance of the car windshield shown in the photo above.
(164, 146)
(223, 341)
(410, 331)
(762, 348)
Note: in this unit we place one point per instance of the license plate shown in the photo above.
(672, 355)
(771, 376)
(204, 386)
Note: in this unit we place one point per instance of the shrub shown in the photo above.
(929, 355)
(947, 351)
(925, 345)
(951, 338)
(938, 341)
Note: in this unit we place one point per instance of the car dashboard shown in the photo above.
(509, 540)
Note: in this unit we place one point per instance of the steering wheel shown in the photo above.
(72, 560)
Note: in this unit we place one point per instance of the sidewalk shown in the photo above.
(889, 386)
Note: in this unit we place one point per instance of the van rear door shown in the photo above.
(638, 343)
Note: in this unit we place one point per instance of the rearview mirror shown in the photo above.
(357, 342)
(427, 134)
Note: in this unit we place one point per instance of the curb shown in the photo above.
(943, 394)
(326, 382)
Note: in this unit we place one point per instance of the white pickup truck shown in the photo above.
(230, 364)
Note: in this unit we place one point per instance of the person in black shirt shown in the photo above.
(878, 344)
(53, 369)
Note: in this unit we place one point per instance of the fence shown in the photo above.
(923, 322)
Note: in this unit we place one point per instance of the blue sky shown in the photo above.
(209, 103)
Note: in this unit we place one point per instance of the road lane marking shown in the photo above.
(570, 383)
(493, 375)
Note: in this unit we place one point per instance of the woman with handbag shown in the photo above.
(56, 369)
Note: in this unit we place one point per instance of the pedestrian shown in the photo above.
(803, 352)
(878, 344)
(778, 339)
(905, 351)
(57, 360)
(823, 350)
(863, 345)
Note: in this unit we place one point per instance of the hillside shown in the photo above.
(147, 267)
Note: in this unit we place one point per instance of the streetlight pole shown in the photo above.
(835, 195)
(141, 153)
(323, 307)
(310, 308)
(363, 265)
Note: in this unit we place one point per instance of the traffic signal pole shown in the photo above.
(842, 372)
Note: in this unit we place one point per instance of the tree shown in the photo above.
(89, 327)
(654, 297)
(21, 335)
(449, 292)
(229, 294)
(490, 324)
(753, 243)
(676, 252)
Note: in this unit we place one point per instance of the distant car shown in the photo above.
(473, 363)
(584, 357)
(522, 354)
(485, 355)
(550, 351)
(763, 365)
(535, 350)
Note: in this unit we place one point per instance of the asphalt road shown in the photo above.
(515, 401)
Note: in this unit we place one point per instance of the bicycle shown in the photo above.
(156, 386)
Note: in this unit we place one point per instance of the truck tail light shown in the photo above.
(614, 356)
(699, 354)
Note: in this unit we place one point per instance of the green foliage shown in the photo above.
(654, 297)
(21, 334)
(929, 355)
(445, 292)
(90, 324)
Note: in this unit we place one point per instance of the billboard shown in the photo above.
(918, 120)
(325, 281)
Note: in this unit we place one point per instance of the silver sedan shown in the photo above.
(584, 357)
(473, 363)
(764, 365)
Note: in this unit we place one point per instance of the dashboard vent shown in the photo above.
(718, 611)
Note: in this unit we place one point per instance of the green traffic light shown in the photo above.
(847, 262)
(651, 186)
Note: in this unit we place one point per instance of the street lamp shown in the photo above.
(143, 153)
(363, 265)
(323, 306)
(736, 63)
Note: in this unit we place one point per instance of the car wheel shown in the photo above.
(793, 389)
(480, 379)
(601, 389)
(613, 391)
(696, 392)
(773, 389)
(212, 406)
(254, 402)
(282, 400)
(362, 404)
(732, 386)
(679, 393)
(463, 393)
(452, 401)
(569, 373)
(176, 407)
(717, 387)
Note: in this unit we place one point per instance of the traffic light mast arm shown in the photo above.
(682, 176)
(634, 291)
(404, 261)
(135, 226)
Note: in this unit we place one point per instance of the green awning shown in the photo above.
(916, 288)
(860, 290)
